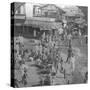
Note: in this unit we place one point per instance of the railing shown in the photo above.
(19, 16)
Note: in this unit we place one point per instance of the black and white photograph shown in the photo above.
(49, 44)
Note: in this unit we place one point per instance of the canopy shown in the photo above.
(44, 25)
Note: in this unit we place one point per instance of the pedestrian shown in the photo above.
(73, 61)
(86, 77)
(69, 52)
(24, 77)
(61, 63)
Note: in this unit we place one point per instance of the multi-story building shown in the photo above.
(32, 19)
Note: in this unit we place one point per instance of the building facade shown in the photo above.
(32, 20)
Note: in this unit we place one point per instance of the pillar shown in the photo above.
(34, 33)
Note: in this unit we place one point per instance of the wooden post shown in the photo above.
(34, 33)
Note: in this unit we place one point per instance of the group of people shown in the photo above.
(45, 55)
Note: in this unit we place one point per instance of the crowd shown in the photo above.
(46, 55)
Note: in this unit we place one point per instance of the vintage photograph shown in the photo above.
(49, 44)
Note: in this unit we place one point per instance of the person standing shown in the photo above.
(24, 77)
(69, 52)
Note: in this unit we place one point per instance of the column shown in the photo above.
(34, 33)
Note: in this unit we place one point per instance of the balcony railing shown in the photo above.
(19, 16)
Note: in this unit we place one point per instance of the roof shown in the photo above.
(52, 7)
(73, 11)
(79, 21)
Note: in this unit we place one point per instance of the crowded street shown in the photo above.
(40, 67)
(50, 47)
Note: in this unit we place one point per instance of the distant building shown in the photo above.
(72, 13)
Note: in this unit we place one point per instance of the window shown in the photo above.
(37, 11)
(20, 10)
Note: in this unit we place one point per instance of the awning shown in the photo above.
(44, 25)
(79, 21)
